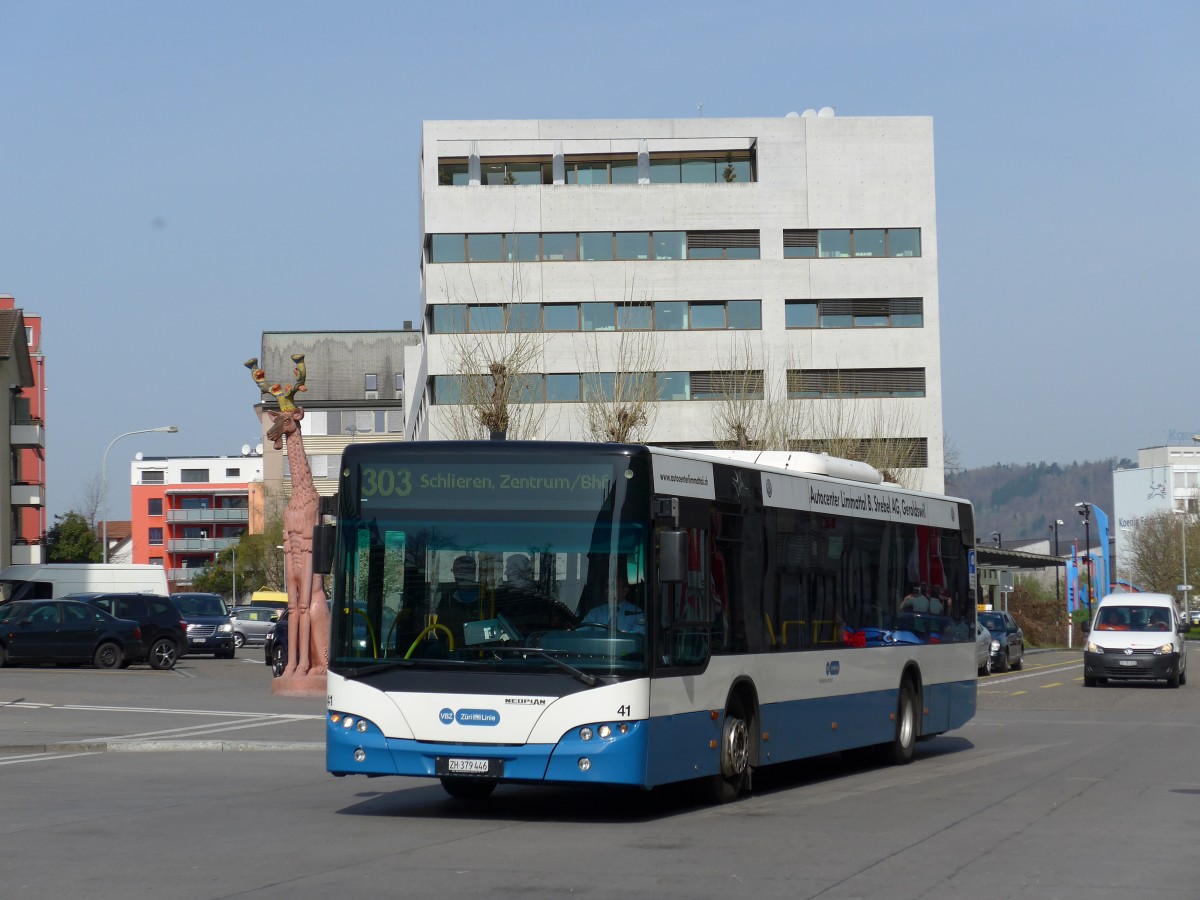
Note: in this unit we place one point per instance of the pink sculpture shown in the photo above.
(308, 610)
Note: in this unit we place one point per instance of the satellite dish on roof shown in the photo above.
(808, 114)
(245, 449)
(792, 115)
(138, 456)
(825, 112)
(258, 449)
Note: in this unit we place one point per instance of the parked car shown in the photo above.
(1194, 617)
(209, 628)
(164, 633)
(1008, 641)
(983, 649)
(251, 624)
(275, 645)
(66, 631)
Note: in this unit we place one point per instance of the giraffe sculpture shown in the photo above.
(308, 611)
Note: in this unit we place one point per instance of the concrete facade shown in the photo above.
(810, 173)
(1166, 478)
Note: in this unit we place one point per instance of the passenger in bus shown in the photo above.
(630, 616)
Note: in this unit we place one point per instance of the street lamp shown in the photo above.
(1057, 590)
(1183, 585)
(104, 476)
(999, 540)
(1085, 509)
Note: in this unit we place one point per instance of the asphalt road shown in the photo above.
(200, 783)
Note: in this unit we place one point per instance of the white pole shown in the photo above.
(104, 480)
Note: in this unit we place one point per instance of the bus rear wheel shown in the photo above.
(469, 788)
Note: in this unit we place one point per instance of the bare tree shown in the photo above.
(1156, 550)
(620, 389)
(754, 412)
(869, 430)
(497, 372)
(91, 506)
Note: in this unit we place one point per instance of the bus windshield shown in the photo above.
(517, 565)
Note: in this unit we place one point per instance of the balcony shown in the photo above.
(26, 494)
(28, 554)
(27, 435)
(208, 515)
(182, 576)
(200, 545)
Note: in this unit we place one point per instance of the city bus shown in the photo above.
(611, 614)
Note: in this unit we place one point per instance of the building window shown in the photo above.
(501, 172)
(452, 173)
(154, 476)
(192, 476)
(855, 383)
(844, 243)
(898, 312)
(370, 382)
(233, 473)
(155, 536)
(154, 506)
(909, 452)
(399, 384)
(722, 244)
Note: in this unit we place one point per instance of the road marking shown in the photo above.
(1046, 670)
(1016, 693)
(1054, 684)
(43, 757)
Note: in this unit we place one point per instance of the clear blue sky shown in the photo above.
(176, 178)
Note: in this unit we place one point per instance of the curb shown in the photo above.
(164, 746)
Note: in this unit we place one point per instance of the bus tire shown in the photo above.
(468, 788)
(908, 726)
(734, 777)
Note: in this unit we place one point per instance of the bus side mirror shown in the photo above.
(672, 556)
(322, 549)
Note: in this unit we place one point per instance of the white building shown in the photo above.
(799, 252)
(1166, 478)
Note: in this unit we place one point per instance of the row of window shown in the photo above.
(604, 246)
(662, 315)
(617, 169)
(592, 246)
(574, 387)
(671, 315)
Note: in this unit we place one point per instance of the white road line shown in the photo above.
(1003, 679)
(43, 757)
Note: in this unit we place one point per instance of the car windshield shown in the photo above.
(991, 622)
(200, 604)
(1133, 618)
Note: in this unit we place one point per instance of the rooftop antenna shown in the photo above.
(700, 106)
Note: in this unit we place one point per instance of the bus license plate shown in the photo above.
(459, 766)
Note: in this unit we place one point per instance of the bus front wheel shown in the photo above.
(908, 726)
(469, 788)
(734, 776)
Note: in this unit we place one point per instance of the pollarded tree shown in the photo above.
(619, 388)
(495, 365)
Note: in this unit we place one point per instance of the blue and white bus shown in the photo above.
(622, 614)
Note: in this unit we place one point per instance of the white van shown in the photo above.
(1136, 636)
(52, 580)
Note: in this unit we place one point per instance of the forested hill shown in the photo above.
(1022, 501)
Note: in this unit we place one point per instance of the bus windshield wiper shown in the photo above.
(589, 680)
(363, 671)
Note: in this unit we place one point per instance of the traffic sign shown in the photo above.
(1184, 587)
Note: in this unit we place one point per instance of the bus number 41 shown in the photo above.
(623, 711)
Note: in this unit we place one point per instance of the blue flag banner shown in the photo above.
(1103, 579)
(1072, 579)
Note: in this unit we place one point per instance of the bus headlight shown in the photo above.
(604, 731)
(585, 733)
(584, 764)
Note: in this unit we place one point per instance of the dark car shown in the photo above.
(164, 633)
(1008, 641)
(251, 624)
(275, 645)
(209, 628)
(66, 632)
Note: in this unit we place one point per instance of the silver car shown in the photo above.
(983, 649)
(251, 623)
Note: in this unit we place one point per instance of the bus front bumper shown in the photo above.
(360, 748)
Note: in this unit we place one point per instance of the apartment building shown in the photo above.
(790, 261)
(1166, 479)
(23, 507)
(185, 510)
